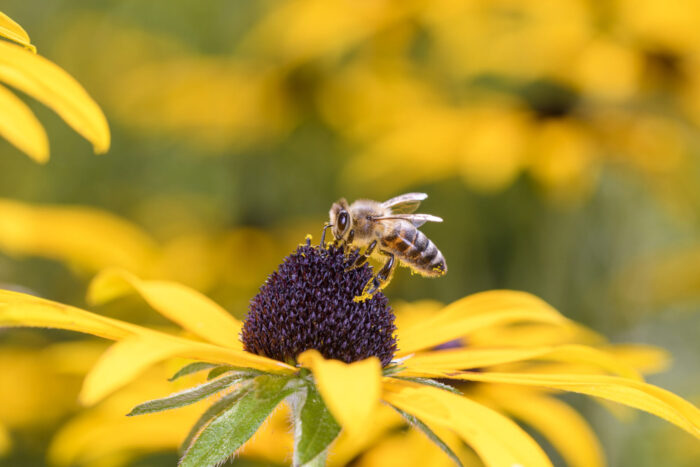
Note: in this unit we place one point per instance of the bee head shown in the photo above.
(340, 218)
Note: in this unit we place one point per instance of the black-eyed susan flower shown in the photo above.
(336, 361)
(93, 435)
(23, 69)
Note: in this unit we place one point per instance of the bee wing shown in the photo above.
(416, 219)
(404, 204)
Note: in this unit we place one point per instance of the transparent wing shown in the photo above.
(415, 219)
(404, 204)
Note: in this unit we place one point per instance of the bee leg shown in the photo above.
(323, 235)
(380, 280)
(363, 257)
(347, 242)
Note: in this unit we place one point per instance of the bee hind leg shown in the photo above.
(360, 260)
(381, 279)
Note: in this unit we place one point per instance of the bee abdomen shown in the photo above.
(416, 250)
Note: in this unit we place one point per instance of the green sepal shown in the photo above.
(186, 397)
(318, 429)
(192, 368)
(431, 382)
(223, 369)
(414, 421)
(216, 409)
(391, 369)
(226, 433)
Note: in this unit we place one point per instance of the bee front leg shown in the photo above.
(363, 257)
(323, 235)
(381, 279)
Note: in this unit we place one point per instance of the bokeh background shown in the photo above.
(558, 139)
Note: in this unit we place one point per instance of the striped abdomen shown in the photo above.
(414, 249)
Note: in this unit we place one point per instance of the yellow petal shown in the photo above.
(186, 307)
(89, 238)
(55, 88)
(632, 393)
(123, 362)
(498, 440)
(351, 391)
(645, 358)
(18, 309)
(466, 359)
(531, 335)
(21, 128)
(101, 434)
(562, 426)
(476, 312)
(412, 448)
(346, 447)
(13, 31)
(4, 440)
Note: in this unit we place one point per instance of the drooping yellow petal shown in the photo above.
(123, 362)
(346, 447)
(186, 307)
(467, 358)
(55, 88)
(4, 440)
(21, 128)
(476, 312)
(632, 393)
(13, 31)
(18, 309)
(498, 440)
(562, 426)
(351, 391)
(89, 238)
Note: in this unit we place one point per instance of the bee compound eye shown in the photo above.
(343, 221)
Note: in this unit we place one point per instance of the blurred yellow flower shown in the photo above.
(92, 435)
(176, 246)
(352, 391)
(167, 89)
(42, 383)
(667, 277)
(85, 237)
(32, 74)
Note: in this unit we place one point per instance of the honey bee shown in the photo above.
(391, 228)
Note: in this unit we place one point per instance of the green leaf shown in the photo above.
(186, 397)
(430, 434)
(226, 433)
(431, 382)
(318, 428)
(216, 409)
(192, 368)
